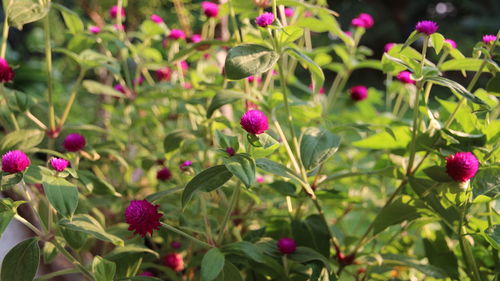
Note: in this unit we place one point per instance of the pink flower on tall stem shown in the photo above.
(254, 122)
(176, 34)
(113, 12)
(462, 166)
(489, 39)
(142, 217)
(358, 93)
(210, 9)
(405, 77)
(427, 27)
(15, 161)
(74, 142)
(286, 245)
(288, 12)
(156, 18)
(163, 174)
(264, 19)
(59, 164)
(363, 20)
(94, 29)
(6, 73)
(174, 261)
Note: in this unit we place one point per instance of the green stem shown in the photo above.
(470, 263)
(51, 275)
(35, 120)
(494, 251)
(237, 30)
(232, 204)
(73, 260)
(185, 235)
(28, 225)
(71, 99)
(5, 36)
(48, 59)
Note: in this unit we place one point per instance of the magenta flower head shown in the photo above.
(265, 19)
(59, 164)
(142, 217)
(210, 9)
(164, 74)
(156, 18)
(94, 29)
(363, 20)
(175, 244)
(451, 42)
(120, 88)
(185, 165)
(176, 34)
(286, 245)
(15, 161)
(195, 38)
(404, 76)
(388, 46)
(426, 26)
(147, 273)
(288, 12)
(260, 179)
(462, 166)
(254, 122)
(163, 174)
(174, 261)
(489, 39)
(358, 93)
(6, 73)
(230, 151)
(113, 12)
(74, 142)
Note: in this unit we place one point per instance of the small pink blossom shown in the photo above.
(176, 34)
(94, 29)
(119, 27)
(156, 18)
(405, 77)
(174, 261)
(74, 142)
(230, 151)
(120, 88)
(142, 217)
(489, 39)
(164, 74)
(260, 179)
(184, 166)
(252, 78)
(59, 164)
(195, 38)
(254, 122)
(358, 93)
(427, 27)
(451, 42)
(6, 73)
(264, 19)
(163, 174)
(286, 245)
(210, 9)
(289, 12)
(363, 20)
(15, 161)
(462, 166)
(113, 12)
(321, 90)
(388, 46)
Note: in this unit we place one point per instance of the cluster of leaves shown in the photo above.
(362, 190)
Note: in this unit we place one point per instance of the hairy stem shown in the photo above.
(48, 60)
(185, 235)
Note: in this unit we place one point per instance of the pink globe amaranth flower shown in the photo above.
(462, 166)
(252, 78)
(260, 179)
(142, 217)
(174, 261)
(210, 9)
(489, 39)
(113, 12)
(120, 88)
(388, 46)
(363, 20)
(185, 165)
(164, 174)
(254, 122)
(147, 273)
(187, 86)
(176, 34)
(288, 12)
(74, 142)
(94, 29)
(184, 65)
(15, 161)
(427, 27)
(358, 93)
(265, 19)
(195, 38)
(59, 164)
(175, 244)
(451, 42)
(156, 18)
(119, 27)
(348, 33)
(164, 74)
(286, 245)
(404, 76)
(321, 90)
(230, 151)
(6, 73)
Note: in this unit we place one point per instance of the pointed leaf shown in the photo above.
(62, 195)
(21, 262)
(316, 146)
(242, 166)
(247, 60)
(208, 180)
(212, 264)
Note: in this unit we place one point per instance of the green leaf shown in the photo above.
(267, 145)
(173, 140)
(9, 180)
(412, 38)
(21, 139)
(89, 225)
(223, 97)
(289, 34)
(284, 187)
(440, 255)
(62, 195)
(212, 264)
(49, 252)
(438, 173)
(247, 60)
(334, 27)
(21, 12)
(427, 269)
(468, 64)
(97, 88)
(208, 180)
(120, 252)
(317, 74)
(225, 141)
(396, 212)
(75, 239)
(275, 168)
(150, 28)
(437, 41)
(103, 269)
(7, 212)
(252, 252)
(229, 273)
(492, 235)
(456, 88)
(91, 59)
(313, 233)
(242, 166)
(21, 262)
(71, 19)
(160, 194)
(486, 182)
(305, 254)
(316, 146)
(385, 140)
(96, 184)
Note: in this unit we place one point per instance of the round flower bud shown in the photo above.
(230, 151)
(451, 42)
(286, 245)
(489, 39)
(265, 19)
(288, 12)
(185, 165)
(94, 29)
(363, 20)
(59, 164)
(254, 122)
(142, 217)
(427, 27)
(388, 46)
(404, 76)
(156, 18)
(176, 34)
(358, 93)
(163, 174)
(15, 161)
(174, 261)
(6, 73)
(210, 9)
(461, 166)
(164, 74)
(74, 142)
(195, 38)
(113, 12)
